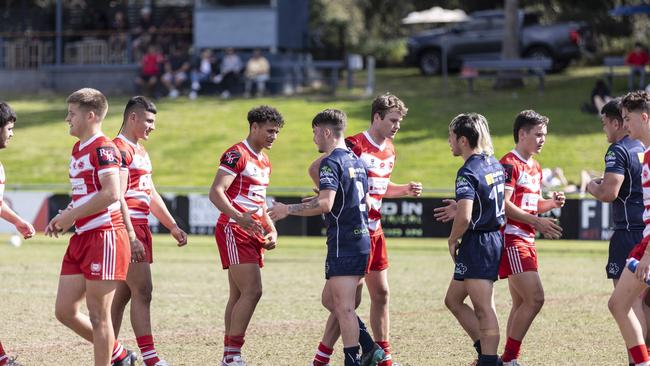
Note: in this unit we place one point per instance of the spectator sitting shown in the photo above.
(637, 59)
(231, 66)
(177, 67)
(554, 180)
(600, 95)
(257, 70)
(204, 72)
(149, 71)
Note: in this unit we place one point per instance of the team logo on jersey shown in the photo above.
(79, 165)
(107, 155)
(610, 159)
(462, 185)
(230, 158)
(326, 174)
(508, 168)
(613, 268)
(460, 268)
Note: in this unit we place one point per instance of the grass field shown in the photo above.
(574, 327)
(192, 134)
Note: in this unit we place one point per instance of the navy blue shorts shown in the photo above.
(479, 256)
(620, 245)
(346, 266)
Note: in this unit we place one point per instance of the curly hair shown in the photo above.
(265, 114)
(385, 103)
(636, 101)
(7, 114)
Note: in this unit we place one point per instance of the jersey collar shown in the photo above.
(258, 156)
(125, 139)
(528, 162)
(90, 140)
(369, 138)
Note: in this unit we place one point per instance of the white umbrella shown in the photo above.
(436, 15)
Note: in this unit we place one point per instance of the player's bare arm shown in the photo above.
(412, 189)
(557, 200)
(109, 194)
(271, 237)
(220, 185)
(137, 248)
(607, 188)
(547, 226)
(24, 228)
(313, 169)
(318, 205)
(160, 211)
(460, 225)
(447, 212)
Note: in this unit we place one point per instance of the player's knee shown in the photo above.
(98, 318)
(380, 295)
(452, 304)
(253, 294)
(615, 306)
(343, 310)
(142, 294)
(537, 301)
(63, 314)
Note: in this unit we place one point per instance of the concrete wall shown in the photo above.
(246, 27)
(22, 81)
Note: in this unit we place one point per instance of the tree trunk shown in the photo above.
(510, 46)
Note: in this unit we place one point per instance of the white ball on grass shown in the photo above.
(15, 240)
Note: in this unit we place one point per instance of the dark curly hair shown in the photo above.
(7, 114)
(636, 101)
(265, 114)
(526, 120)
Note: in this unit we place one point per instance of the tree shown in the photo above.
(510, 46)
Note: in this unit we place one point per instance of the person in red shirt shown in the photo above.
(637, 59)
(7, 120)
(244, 229)
(150, 70)
(636, 120)
(141, 198)
(98, 254)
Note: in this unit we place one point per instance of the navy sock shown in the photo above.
(477, 346)
(365, 340)
(485, 360)
(351, 355)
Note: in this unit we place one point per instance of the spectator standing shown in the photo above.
(257, 71)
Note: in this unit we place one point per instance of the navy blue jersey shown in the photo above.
(482, 179)
(347, 222)
(625, 157)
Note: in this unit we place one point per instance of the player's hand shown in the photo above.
(558, 199)
(248, 223)
(179, 235)
(453, 248)
(643, 268)
(279, 211)
(270, 240)
(137, 250)
(548, 227)
(445, 213)
(414, 189)
(25, 228)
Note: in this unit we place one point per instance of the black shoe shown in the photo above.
(129, 360)
(373, 357)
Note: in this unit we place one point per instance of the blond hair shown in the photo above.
(91, 100)
(474, 127)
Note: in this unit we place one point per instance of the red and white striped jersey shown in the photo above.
(523, 177)
(645, 183)
(2, 184)
(139, 187)
(89, 161)
(252, 172)
(379, 160)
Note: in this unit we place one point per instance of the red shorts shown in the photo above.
(236, 246)
(378, 260)
(639, 249)
(518, 256)
(143, 233)
(98, 255)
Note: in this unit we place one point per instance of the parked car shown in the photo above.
(481, 38)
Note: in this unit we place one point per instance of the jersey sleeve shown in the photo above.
(352, 142)
(126, 157)
(511, 174)
(615, 160)
(466, 185)
(232, 161)
(329, 175)
(107, 158)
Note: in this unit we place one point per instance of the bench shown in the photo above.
(613, 62)
(531, 67)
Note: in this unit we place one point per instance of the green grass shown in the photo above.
(191, 135)
(573, 328)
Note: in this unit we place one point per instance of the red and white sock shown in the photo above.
(119, 352)
(639, 355)
(388, 360)
(322, 356)
(147, 349)
(511, 350)
(232, 347)
(3, 356)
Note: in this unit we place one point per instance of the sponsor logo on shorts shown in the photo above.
(460, 268)
(613, 268)
(95, 268)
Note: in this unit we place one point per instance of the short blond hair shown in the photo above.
(91, 100)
